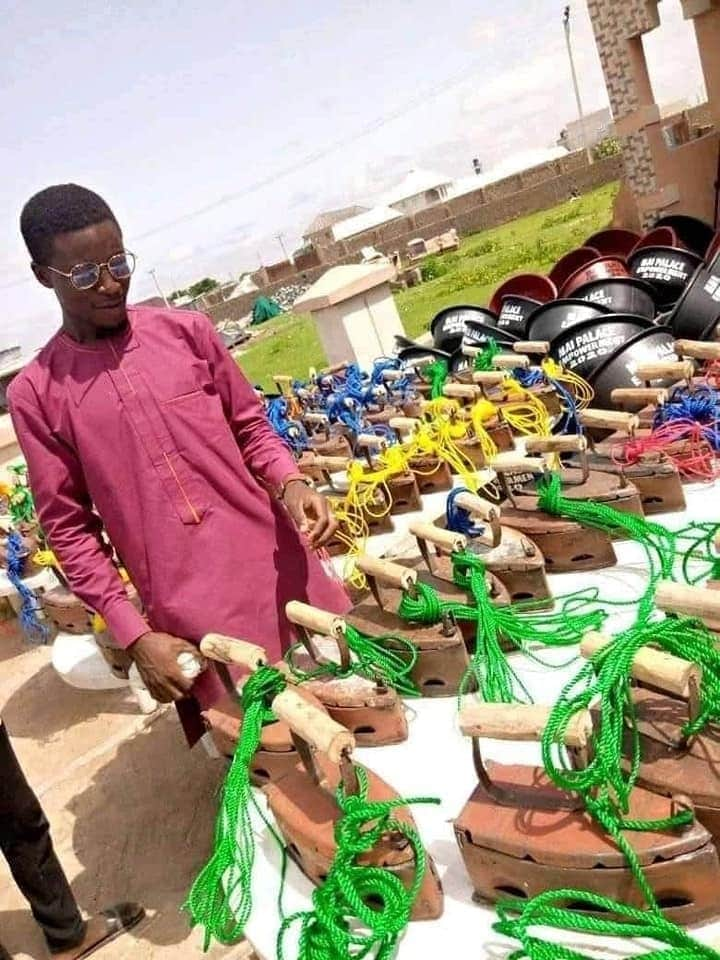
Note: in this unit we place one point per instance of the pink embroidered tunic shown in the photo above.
(156, 435)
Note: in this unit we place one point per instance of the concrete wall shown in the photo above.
(523, 193)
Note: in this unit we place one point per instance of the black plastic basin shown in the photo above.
(666, 269)
(448, 326)
(618, 370)
(692, 232)
(477, 334)
(552, 318)
(697, 312)
(621, 295)
(515, 312)
(583, 348)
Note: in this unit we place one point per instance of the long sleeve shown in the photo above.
(266, 455)
(67, 518)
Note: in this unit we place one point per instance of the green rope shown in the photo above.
(226, 879)
(373, 659)
(523, 922)
(489, 666)
(484, 359)
(437, 374)
(373, 896)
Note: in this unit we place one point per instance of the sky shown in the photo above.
(211, 128)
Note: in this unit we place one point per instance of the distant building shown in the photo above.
(319, 232)
(417, 190)
(598, 126)
(375, 217)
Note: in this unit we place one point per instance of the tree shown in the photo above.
(609, 147)
(202, 286)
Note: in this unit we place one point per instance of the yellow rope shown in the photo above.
(527, 415)
(581, 390)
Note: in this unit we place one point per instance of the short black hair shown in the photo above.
(59, 209)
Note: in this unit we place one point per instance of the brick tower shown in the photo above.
(667, 169)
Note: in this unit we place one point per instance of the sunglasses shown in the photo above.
(84, 276)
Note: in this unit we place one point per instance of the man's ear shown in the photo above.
(42, 275)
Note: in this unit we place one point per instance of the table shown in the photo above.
(436, 761)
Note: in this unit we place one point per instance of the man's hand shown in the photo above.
(311, 512)
(156, 656)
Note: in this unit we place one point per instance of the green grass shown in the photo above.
(289, 344)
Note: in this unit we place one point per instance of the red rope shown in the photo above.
(680, 441)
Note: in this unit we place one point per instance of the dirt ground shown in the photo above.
(131, 807)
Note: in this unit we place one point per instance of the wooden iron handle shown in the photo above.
(568, 444)
(639, 396)
(445, 539)
(541, 347)
(335, 368)
(610, 419)
(387, 572)
(478, 507)
(315, 417)
(404, 423)
(698, 349)
(471, 351)
(312, 724)
(488, 378)
(315, 620)
(371, 440)
(682, 369)
(331, 463)
(656, 667)
(520, 721)
(511, 462)
(508, 361)
(688, 601)
(216, 646)
(461, 391)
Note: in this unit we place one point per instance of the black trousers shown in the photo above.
(27, 847)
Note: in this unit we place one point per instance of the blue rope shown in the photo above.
(34, 630)
(701, 406)
(345, 410)
(569, 421)
(530, 377)
(291, 431)
(457, 519)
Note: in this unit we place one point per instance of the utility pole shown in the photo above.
(157, 286)
(280, 240)
(566, 26)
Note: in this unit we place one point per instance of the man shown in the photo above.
(26, 844)
(138, 420)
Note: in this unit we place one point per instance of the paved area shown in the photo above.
(131, 807)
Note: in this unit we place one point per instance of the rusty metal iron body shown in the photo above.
(305, 810)
(370, 710)
(432, 474)
(277, 754)
(671, 765)
(442, 651)
(65, 611)
(568, 546)
(509, 554)
(520, 836)
(657, 480)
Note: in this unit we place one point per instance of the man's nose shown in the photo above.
(107, 283)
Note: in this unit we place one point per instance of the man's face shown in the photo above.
(102, 306)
